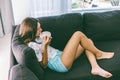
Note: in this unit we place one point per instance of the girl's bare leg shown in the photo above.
(79, 51)
(104, 55)
(70, 51)
(96, 69)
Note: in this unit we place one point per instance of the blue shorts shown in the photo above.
(56, 63)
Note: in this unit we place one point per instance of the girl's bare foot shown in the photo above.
(105, 55)
(101, 72)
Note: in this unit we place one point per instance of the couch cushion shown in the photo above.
(62, 27)
(81, 69)
(102, 25)
(21, 72)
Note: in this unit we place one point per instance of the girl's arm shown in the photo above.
(46, 42)
(44, 56)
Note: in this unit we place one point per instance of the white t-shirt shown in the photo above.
(37, 47)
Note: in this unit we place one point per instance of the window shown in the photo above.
(49, 7)
(56, 7)
(92, 4)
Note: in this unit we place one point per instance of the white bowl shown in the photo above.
(45, 33)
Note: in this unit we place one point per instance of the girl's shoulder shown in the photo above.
(32, 43)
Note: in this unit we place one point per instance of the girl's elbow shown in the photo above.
(44, 64)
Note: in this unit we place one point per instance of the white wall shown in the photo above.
(21, 9)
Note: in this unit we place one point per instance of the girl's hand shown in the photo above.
(46, 40)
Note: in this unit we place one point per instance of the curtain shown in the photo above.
(49, 7)
(115, 2)
(6, 18)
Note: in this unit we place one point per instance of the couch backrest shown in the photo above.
(102, 25)
(62, 27)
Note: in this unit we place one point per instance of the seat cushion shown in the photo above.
(81, 68)
(21, 72)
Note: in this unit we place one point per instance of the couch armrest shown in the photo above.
(21, 72)
(25, 55)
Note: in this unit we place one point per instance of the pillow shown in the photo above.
(21, 72)
(62, 27)
(102, 25)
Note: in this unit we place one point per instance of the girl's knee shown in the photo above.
(90, 40)
(79, 33)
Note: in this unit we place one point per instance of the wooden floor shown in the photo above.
(4, 56)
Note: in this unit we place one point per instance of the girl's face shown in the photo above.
(39, 29)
